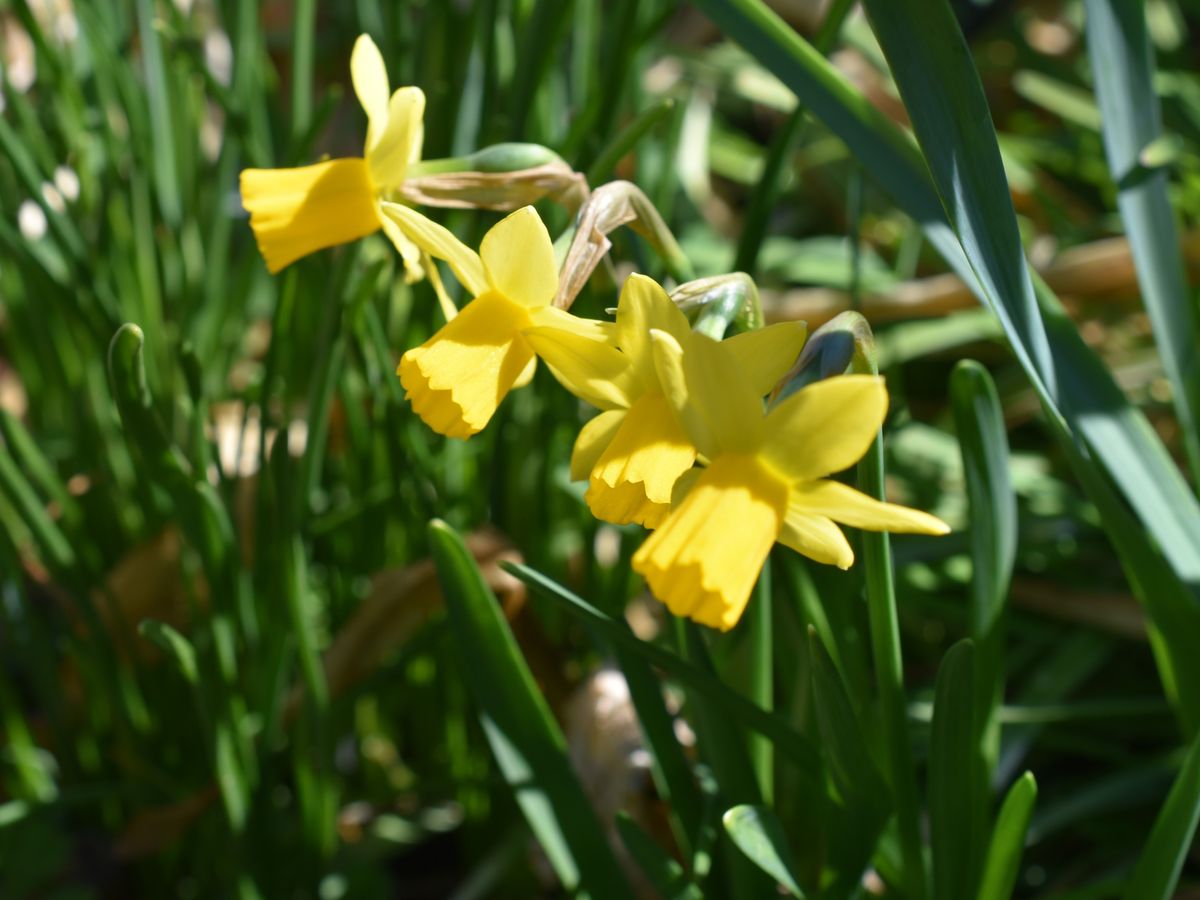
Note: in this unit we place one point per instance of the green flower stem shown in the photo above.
(889, 667)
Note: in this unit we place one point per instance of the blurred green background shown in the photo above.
(226, 668)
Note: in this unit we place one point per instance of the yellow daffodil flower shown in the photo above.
(295, 212)
(765, 480)
(635, 450)
(458, 377)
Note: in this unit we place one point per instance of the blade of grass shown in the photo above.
(528, 746)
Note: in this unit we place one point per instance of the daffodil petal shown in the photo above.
(710, 394)
(766, 354)
(458, 377)
(518, 257)
(370, 78)
(393, 150)
(440, 244)
(593, 438)
(816, 537)
(592, 329)
(703, 560)
(592, 370)
(642, 307)
(825, 427)
(410, 253)
(633, 479)
(668, 364)
(527, 374)
(844, 504)
(295, 212)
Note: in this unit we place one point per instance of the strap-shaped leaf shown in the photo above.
(758, 834)
(1123, 66)
(1008, 840)
(526, 741)
(1158, 868)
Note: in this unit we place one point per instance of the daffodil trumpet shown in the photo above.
(635, 450)
(766, 480)
(457, 379)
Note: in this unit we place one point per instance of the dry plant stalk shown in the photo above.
(608, 208)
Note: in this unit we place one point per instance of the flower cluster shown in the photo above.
(683, 443)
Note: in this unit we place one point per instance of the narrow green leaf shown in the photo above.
(626, 139)
(526, 741)
(993, 533)
(1158, 868)
(953, 784)
(166, 176)
(669, 767)
(175, 645)
(304, 26)
(854, 774)
(1008, 840)
(864, 794)
(932, 66)
(664, 873)
(758, 833)
(885, 629)
(1123, 67)
(790, 742)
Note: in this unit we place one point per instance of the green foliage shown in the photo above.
(240, 661)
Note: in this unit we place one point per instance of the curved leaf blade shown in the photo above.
(526, 741)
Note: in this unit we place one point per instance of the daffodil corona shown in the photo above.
(295, 212)
(765, 480)
(635, 450)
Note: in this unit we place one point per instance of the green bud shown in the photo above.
(843, 344)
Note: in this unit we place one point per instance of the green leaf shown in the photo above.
(626, 139)
(865, 795)
(1008, 840)
(1157, 870)
(664, 873)
(791, 743)
(885, 627)
(175, 645)
(669, 767)
(1123, 67)
(854, 773)
(953, 784)
(526, 741)
(993, 534)
(166, 176)
(757, 833)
